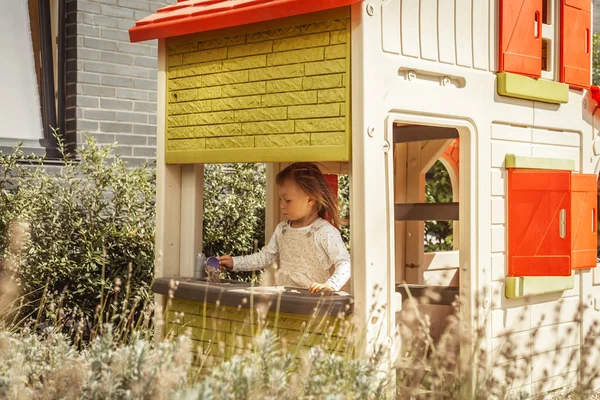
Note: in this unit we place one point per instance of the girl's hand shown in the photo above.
(226, 262)
(317, 287)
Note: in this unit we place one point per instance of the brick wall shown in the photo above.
(111, 91)
(260, 90)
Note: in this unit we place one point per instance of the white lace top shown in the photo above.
(304, 255)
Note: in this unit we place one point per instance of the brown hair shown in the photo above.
(312, 182)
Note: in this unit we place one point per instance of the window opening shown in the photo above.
(438, 189)
(549, 42)
(546, 55)
(546, 12)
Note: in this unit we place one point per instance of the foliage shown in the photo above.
(272, 372)
(234, 208)
(344, 203)
(438, 189)
(596, 59)
(47, 365)
(87, 227)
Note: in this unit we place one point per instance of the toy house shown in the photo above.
(498, 90)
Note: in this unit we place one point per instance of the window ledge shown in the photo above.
(526, 162)
(516, 287)
(524, 87)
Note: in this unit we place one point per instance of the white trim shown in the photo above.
(168, 200)
(192, 208)
(470, 282)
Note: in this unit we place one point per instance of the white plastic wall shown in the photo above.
(432, 63)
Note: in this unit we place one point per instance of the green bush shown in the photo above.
(90, 225)
(596, 59)
(234, 208)
(438, 189)
(344, 202)
(48, 367)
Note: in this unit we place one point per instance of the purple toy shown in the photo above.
(213, 262)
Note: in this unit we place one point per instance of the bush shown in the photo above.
(344, 203)
(46, 365)
(89, 226)
(234, 208)
(596, 59)
(438, 189)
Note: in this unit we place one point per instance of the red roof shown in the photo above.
(192, 16)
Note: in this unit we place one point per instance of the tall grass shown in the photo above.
(123, 362)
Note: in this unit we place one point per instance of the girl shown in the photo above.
(305, 245)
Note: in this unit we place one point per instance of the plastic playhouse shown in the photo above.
(497, 90)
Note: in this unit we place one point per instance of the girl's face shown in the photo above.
(293, 202)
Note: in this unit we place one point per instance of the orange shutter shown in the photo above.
(583, 220)
(332, 181)
(576, 42)
(539, 241)
(521, 37)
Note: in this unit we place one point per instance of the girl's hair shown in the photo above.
(312, 182)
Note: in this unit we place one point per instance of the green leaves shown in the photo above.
(91, 214)
(234, 208)
(596, 60)
(438, 189)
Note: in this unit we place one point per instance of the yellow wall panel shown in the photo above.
(261, 93)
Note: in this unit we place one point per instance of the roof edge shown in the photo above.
(231, 18)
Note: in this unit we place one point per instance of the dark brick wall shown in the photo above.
(112, 82)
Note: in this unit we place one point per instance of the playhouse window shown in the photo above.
(242, 209)
(550, 40)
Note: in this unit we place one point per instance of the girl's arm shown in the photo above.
(265, 257)
(332, 242)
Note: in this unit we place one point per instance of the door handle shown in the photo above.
(563, 223)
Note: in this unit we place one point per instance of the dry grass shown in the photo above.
(121, 360)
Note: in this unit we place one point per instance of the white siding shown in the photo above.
(453, 32)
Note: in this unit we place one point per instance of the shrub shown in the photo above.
(344, 204)
(48, 367)
(90, 225)
(438, 189)
(234, 208)
(596, 59)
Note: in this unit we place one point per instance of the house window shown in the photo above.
(32, 36)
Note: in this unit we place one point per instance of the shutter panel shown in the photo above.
(332, 181)
(521, 37)
(575, 42)
(539, 241)
(584, 217)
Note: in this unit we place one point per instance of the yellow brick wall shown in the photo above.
(223, 331)
(254, 95)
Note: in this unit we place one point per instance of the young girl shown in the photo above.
(305, 245)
